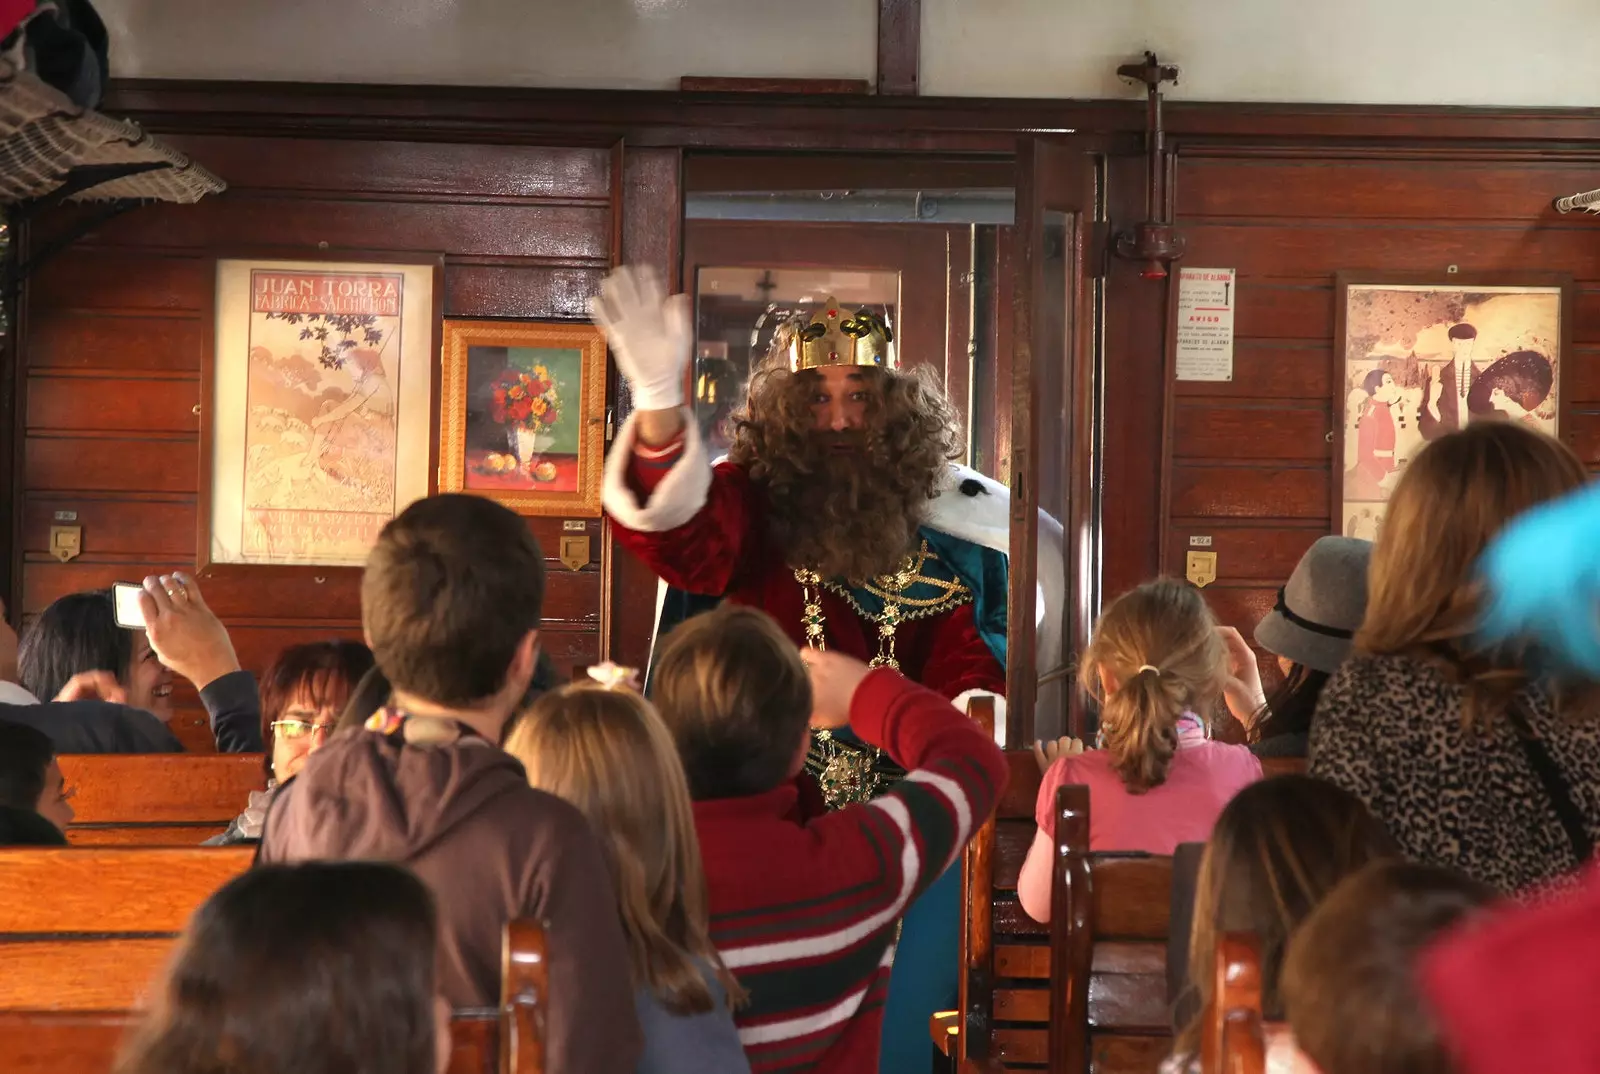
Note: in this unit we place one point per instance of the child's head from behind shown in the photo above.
(451, 600)
(309, 969)
(733, 691)
(1348, 980)
(1277, 849)
(1154, 655)
(607, 752)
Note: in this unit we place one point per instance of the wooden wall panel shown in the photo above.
(114, 342)
(1250, 460)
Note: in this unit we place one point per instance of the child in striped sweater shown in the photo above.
(804, 908)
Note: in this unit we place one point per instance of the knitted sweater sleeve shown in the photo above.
(954, 777)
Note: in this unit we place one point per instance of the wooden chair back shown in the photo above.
(1109, 918)
(1005, 955)
(157, 799)
(1233, 1034)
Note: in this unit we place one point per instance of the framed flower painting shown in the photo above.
(522, 416)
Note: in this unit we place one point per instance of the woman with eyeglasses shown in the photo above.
(302, 695)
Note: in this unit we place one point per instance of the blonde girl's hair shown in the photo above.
(607, 752)
(1159, 643)
(1451, 500)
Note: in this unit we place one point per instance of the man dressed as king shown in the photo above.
(840, 512)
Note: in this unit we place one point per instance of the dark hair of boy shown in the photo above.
(732, 690)
(25, 754)
(311, 968)
(1350, 987)
(452, 588)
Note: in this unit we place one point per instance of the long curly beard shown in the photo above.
(846, 507)
(847, 504)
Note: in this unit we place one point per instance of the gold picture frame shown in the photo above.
(522, 414)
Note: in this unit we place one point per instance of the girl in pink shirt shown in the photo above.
(1155, 663)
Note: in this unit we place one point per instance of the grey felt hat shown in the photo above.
(1321, 606)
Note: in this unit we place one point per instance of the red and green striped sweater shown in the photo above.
(805, 913)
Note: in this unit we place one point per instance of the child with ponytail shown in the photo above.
(1157, 664)
(601, 746)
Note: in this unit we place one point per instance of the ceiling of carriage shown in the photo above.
(1485, 52)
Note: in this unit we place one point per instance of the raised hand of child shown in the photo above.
(1242, 689)
(834, 678)
(1046, 753)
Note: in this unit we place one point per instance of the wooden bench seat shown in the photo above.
(157, 799)
(84, 933)
(86, 929)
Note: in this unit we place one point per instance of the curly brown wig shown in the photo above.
(847, 504)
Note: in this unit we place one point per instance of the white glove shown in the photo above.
(651, 335)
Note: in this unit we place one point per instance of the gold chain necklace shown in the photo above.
(850, 775)
(892, 585)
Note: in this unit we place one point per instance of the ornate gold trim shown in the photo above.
(461, 335)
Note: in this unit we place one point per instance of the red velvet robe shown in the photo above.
(724, 549)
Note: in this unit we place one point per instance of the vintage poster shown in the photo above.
(1420, 360)
(322, 394)
(523, 414)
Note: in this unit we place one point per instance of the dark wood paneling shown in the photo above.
(1396, 247)
(1269, 188)
(513, 291)
(90, 340)
(310, 595)
(652, 234)
(1239, 492)
(102, 401)
(1282, 309)
(1289, 219)
(114, 337)
(155, 531)
(1240, 606)
(1271, 369)
(108, 464)
(84, 278)
(550, 233)
(375, 168)
(1582, 434)
(1216, 430)
(1265, 554)
(1132, 429)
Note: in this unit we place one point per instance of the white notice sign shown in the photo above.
(1206, 298)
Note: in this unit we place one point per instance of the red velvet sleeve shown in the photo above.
(959, 659)
(706, 553)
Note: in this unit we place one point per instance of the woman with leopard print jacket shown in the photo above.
(1421, 724)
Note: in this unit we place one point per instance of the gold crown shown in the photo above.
(830, 335)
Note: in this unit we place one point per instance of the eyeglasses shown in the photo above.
(292, 729)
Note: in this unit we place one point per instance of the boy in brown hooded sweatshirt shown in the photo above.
(450, 603)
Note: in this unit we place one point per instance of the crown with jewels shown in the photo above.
(832, 335)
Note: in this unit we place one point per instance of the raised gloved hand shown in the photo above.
(651, 335)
